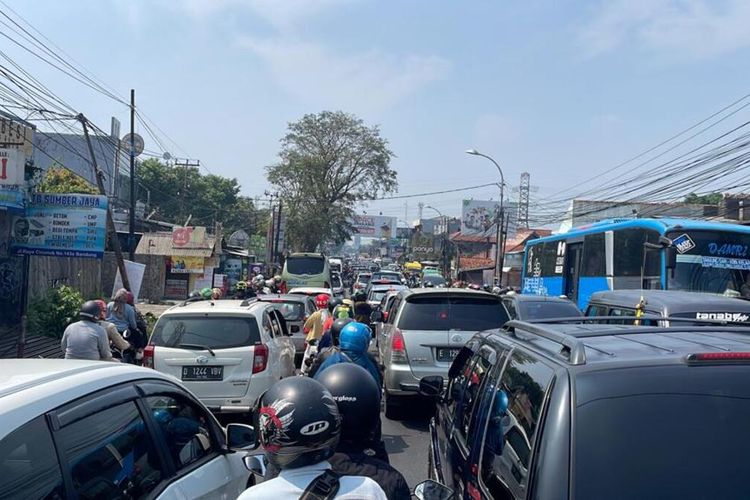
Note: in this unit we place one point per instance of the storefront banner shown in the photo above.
(12, 167)
(61, 225)
(135, 271)
(11, 198)
(187, 265)
(205, 281)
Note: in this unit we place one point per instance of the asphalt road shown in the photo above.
(407, 440)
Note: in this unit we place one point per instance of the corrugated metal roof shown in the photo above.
(160, 243)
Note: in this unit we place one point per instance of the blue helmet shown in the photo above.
(355, 337)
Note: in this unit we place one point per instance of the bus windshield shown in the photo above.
(710, 261)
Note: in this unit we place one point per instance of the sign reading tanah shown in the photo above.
(61, 225)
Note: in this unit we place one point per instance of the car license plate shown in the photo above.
(446, 354)
(202, 372)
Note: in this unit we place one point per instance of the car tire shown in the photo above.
(393, 407)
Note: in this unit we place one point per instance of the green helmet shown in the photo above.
(206, 293)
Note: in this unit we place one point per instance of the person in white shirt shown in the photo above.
(299, 427)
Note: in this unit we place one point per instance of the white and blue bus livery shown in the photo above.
(711, 257)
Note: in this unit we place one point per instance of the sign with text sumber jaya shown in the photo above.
(61, 225)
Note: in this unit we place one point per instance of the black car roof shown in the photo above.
(672, 301)
(595, 346)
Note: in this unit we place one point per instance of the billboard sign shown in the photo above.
(374, 226)
(61, 225)
(189, 237)
(478, 217)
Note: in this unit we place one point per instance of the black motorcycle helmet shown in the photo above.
(357, 396)
(90, 311)
(334, 303)
(336, 328)
(359, 296)
(298, 422)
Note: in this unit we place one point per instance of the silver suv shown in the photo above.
(424, 330)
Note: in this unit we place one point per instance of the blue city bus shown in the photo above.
(711, 257)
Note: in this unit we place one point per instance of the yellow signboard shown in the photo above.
(185, 265)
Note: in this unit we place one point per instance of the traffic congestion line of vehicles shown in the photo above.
(540, 394)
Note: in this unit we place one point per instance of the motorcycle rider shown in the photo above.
(122, 314)
(86, 339)
(362, 310)
(113, 335)
(299, 426)
(358, 399)
(314, 326)
(354, 341)
(329, 346)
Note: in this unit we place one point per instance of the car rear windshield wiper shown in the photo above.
(198, 346)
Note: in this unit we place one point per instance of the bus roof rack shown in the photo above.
(573, 351)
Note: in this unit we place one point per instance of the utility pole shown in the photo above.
(131, 231)
(110, 221)
(278, 233)
(186, 163)
(523, 200)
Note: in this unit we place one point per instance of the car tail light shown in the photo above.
(398, 347)
(385, 316)
(260, 358)
(703, 358)
(148, 356)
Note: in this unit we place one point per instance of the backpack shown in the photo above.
(323, 487)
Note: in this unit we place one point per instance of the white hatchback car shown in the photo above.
(92, 429)
(226, 352)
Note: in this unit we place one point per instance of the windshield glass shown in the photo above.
(216, 332)
(363, 278)
(434, 279)
(305, 265)
(671, 423)
(452, 313)
(710, 261)
(291, 311)
(546, 310)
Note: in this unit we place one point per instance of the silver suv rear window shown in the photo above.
(438, 312)
(216, 332)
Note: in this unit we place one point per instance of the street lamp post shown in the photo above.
(499, 221)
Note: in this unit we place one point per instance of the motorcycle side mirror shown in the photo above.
(241, 437)
(255, 464)
(432, 490)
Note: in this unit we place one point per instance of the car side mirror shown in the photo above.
(431, 386)
(255, 464)
(432, 490)
(376, 317)
(241, 437)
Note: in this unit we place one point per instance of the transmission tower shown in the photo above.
(523, 200)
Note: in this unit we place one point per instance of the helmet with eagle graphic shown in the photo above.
(299, 423)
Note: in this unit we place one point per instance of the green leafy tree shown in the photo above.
(706, 199)
(328, 162)
(178, 192)
(59, 179)
(50, 314)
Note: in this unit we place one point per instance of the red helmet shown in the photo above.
(130, 298)
(322, 300)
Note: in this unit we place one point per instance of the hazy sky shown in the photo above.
(561, 89)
